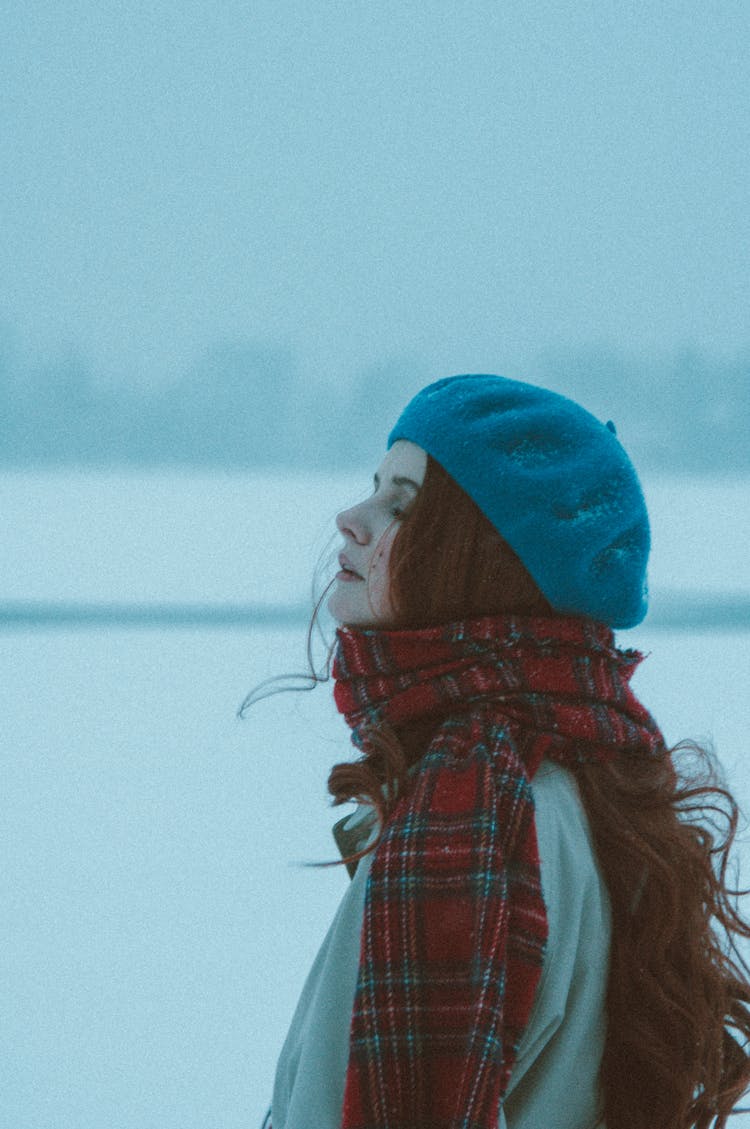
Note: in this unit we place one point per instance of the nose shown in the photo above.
(349, 522)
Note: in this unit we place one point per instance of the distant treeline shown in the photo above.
(247, 404)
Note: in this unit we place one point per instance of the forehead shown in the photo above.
(404, 458)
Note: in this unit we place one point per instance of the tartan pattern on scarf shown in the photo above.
(454, 927)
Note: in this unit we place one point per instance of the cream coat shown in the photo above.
(554, 1081)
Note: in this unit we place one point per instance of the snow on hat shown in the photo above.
(554, 481)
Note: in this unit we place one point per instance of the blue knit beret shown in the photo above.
(554, 481)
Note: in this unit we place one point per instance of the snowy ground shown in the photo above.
(238, 537)
(156, 925)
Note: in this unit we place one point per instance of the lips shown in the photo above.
(347, 566)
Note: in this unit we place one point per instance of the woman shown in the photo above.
(538, 933)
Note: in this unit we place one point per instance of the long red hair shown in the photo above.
(678, 991)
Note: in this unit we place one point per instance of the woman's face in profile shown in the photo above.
(360, 597)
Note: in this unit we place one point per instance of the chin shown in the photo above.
(341, 609)
(348, 616)
(346, 607)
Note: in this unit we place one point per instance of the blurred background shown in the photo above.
(235, 238)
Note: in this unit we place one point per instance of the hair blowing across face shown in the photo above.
(677, 985)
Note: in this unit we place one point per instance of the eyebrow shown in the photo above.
(397, 480)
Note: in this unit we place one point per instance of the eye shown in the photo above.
(395, 511)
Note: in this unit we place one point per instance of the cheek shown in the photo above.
(381, 558)
(379, 568)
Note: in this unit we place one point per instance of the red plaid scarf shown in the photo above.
(454, 925)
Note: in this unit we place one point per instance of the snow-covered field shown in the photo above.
(238, 537)
(156, 925)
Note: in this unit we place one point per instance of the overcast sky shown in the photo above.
(460, 183)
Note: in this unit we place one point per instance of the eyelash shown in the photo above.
(395, 511)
